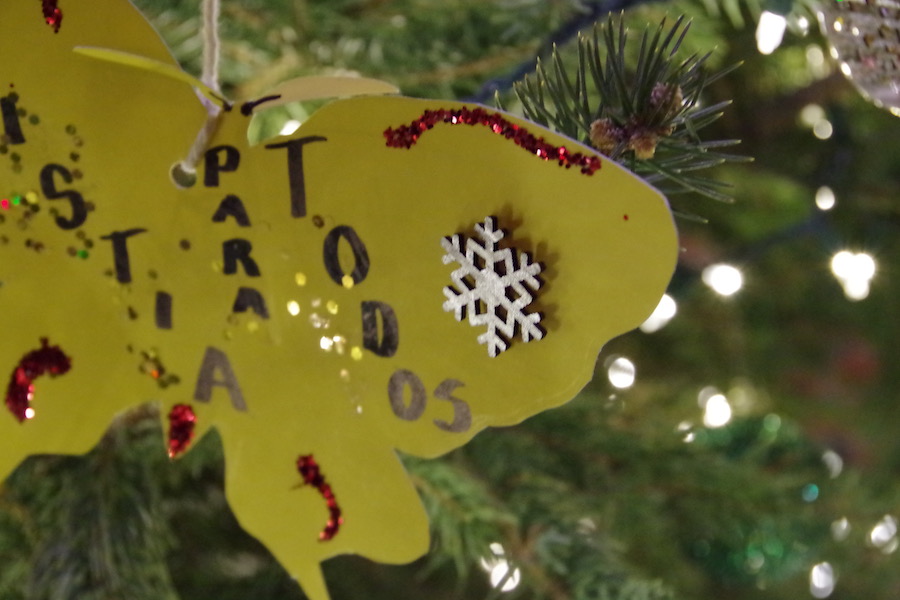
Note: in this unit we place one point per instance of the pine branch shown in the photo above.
(98, 527)
(649, 117)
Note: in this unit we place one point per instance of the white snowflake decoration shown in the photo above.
(491, 288)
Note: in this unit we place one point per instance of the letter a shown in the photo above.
(216, 362)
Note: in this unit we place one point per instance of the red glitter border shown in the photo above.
(20, 391)
(53, 15)
(182, 422)
(309, 470)
(406, 136)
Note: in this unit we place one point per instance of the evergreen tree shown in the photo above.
(752, 456)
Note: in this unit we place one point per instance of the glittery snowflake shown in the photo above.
(492, 286)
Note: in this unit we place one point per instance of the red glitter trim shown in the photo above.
(182, 421)
(46, 359)
(309, 470)
(406, 136)
(52, 14)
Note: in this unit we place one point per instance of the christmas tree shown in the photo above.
(737, 445)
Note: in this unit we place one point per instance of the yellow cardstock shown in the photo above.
(295, 296)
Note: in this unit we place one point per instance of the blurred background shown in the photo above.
(742, 444)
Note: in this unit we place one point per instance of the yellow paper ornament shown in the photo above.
(398, 274)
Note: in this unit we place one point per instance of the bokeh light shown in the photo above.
(825, 199)
(664, 312)
(770, 32)
(821, 580)
(723, 279)
(854, 271)
(621, 372)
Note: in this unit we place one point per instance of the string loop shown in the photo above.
(184, 172)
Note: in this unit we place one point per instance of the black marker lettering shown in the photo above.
(215, 362)
(11, 125)
(231, 206)
(120, 252)
(250, 298)
(48, 187)
(238, 251)
(332, 260)
(389, 340)
(462, 414)
(163, 310)
(295, 171)
(396, 386)
(214, 166)
(248, 107)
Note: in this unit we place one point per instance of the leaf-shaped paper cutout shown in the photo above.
(250, 298)
(301, 89)
(153, 66)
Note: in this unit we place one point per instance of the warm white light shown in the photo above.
(840, 529)
(865, 266)
(661, 316)
(811, 114)
(621, 373)
(833, 462)
(488, 562)
(770, 32)
(502, 577)
(499, 569)
(326, 343)
(290, 127)
(821, 580)
(846, 70)
(29, 413)
(814, 56)
(705, 394)
(884, 535)
(849, 265)
(854, 271)
(293, 307)
(825, 199)
(717, 412)
(803, 24)
(838, 25)
(856, 289)
(842, 264)
(685, 430)
(725, 280)
(823, 129)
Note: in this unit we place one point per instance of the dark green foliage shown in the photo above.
(93, 527)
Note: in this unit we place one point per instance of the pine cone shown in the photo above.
(667, 97)
(644, 144)
(605, 135)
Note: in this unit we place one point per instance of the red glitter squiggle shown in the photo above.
(182, 421)
(406, 136)
(46, 359)
(309, 470)
(52, 14)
